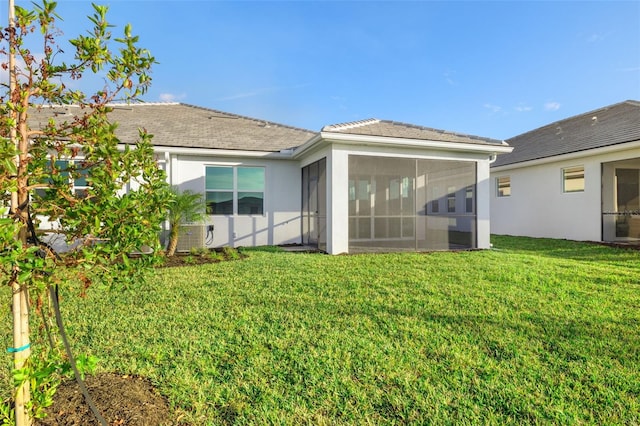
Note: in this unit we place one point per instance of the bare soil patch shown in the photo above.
(122, 400)
(201, 257)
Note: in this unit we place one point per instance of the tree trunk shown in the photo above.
(173, 241)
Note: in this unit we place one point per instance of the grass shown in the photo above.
(534, 331)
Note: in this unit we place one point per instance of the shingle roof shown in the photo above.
(182, 125)
(394, 129)
(611, 125)
(187, 126)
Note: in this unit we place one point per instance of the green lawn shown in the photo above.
(534, 331)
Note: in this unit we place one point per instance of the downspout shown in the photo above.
(168, 168)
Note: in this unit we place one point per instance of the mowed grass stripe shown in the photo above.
(535, 331)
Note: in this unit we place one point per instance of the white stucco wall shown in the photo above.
(483, 204)
(280, 223)
(538, 207)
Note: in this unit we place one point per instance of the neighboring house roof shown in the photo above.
(188, 126)
(394, 129)
(612, 125)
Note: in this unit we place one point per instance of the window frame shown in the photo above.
(64, 165)
(237, 189)
(501, 189)
(567, 179)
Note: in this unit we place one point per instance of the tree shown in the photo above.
(40, 163)
(186, 206)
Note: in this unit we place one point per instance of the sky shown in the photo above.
(488, 68)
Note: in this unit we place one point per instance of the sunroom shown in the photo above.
(385, 186)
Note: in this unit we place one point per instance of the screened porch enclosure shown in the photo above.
(410, 204)
(314, 204)
(621, 201)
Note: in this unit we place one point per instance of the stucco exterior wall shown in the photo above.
(538, 207)
(483, 204)
(281, 221)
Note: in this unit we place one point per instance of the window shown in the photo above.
(504, 186)
(469, 199)
(573, 179)
(451, 199)
(234, 190)
(65, 169)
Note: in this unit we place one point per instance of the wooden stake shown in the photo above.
(20, 302)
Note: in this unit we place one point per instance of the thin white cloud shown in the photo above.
(20, 68)
(523, 108)
(341, 101)
(448, 77)
(595, 37)
(552, 106)
(259, 92)
(493, 108)
(245, 95)
(171, 97)
(629, 69)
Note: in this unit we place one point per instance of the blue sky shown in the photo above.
(494, 69)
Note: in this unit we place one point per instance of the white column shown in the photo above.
(338, 202)
(483, 201)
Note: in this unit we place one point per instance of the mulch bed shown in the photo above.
(121, 399)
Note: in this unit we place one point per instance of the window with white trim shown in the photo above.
(503, 186)
(234, 190)
(573, 179)
(469, 199)
(65, 169)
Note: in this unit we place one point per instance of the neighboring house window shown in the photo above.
(573, 179)
(235, 190)
(469, 199)
(451, 200)
(504, 186)
(435, 206)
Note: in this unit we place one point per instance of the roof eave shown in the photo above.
(569, 156)
(386, 141)
(284, 154)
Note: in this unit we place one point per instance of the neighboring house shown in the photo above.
(577, 179)
(363, 186)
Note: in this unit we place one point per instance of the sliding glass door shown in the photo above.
(314, 204)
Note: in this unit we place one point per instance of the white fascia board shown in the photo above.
(311, 144)
(400, 143)
(570, 156)
(283, 155)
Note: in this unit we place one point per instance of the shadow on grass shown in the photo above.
(266, 249)
(566, 249)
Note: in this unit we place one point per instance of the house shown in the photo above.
(369, 185)
(577, 179)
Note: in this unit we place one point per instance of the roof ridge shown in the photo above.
(266, 123)
(448, 132)
(350, 124)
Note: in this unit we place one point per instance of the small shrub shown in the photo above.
(190, 260)
(230, 253)
(215, 256)
(199, 251)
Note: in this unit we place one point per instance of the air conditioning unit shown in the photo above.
(191, 236)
